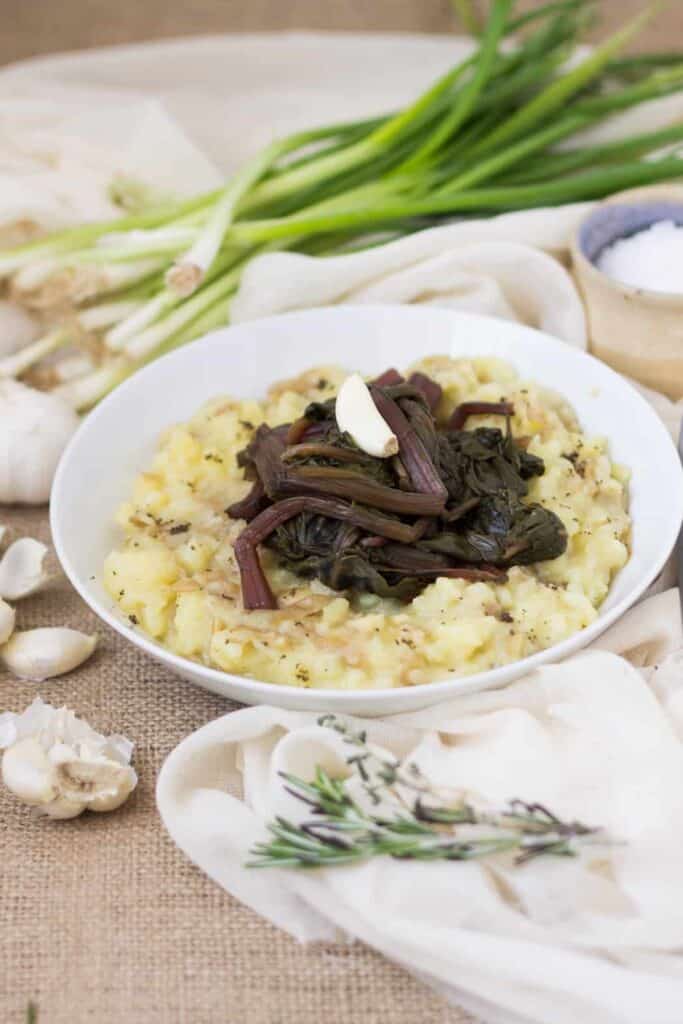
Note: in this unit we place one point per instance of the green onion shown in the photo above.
(482, 139)
(467, 98)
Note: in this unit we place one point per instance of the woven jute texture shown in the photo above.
(105, 921)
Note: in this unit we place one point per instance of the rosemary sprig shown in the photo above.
(410, 819)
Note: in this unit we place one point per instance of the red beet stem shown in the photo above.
(467, 409)
(414, 455)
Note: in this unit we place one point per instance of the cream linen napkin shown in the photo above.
(499, 266)
(592, 939)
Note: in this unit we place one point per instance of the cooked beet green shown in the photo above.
(413, 453)
(449, 504)
(251, 504)
(429, 388)
(463, 411)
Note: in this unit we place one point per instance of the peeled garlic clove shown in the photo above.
(39, 654)
(357, 416)
(28, 773)
(3, 532)
(21, 569)
(7, 619)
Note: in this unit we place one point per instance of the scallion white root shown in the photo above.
(187, 273)
(25, 358)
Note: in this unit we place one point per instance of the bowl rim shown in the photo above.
(433, 691)
(648, 296)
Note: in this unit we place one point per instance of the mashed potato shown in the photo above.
(175, 576)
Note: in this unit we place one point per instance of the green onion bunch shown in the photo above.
(483, 139)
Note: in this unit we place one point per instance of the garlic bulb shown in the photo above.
(58, 764)
(7, 617)
(35, 429)
(39, 654)
(22, 569)
(357, 415)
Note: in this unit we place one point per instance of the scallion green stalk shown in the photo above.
(467, 97)
(481, 140)
(556, 95)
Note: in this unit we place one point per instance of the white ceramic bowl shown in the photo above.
(118, 439)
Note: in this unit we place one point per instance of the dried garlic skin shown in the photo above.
(40, 654)
(60, 766)
(22, 569)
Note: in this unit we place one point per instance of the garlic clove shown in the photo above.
(39, 654)
(4, 530)
(60, 765)
(61, 808)
(358, 416)
(112, 800)
(102, 783)
(28, 773)
(7, 620)
(21, 569)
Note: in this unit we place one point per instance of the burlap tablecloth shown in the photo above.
(105, 921)
(103, 918)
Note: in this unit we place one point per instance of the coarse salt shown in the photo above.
(651, 259)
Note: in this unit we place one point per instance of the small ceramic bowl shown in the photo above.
(636, 331)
